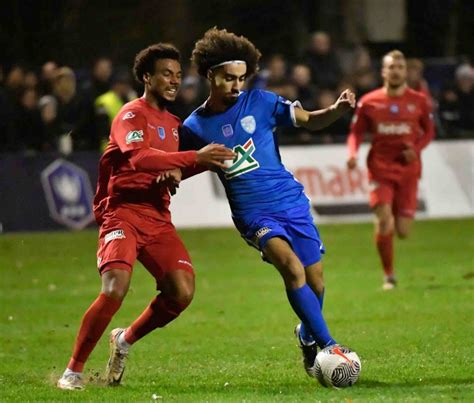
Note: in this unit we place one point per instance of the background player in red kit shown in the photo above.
(399, 120)
(131, 207)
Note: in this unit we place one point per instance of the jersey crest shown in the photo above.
(248, 124)
(243, 162)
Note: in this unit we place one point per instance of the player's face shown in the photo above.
(394, 71)
(227, 82)
(165, 81)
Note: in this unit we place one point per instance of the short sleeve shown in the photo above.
(282, 110)
(129, 130)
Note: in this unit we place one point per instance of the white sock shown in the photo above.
(122, 343)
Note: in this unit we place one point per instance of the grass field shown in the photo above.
(235, 342)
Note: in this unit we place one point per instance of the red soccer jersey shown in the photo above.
(139, 128)
(394, 123)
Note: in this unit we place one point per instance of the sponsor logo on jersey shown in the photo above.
(227, 130)
(394, 128)
(128, 115)
(134, 136)
(248, 124)
(243, 162)
(161, 132)
(174, 130)
(261, 232)
(394, 108)
(116, 234)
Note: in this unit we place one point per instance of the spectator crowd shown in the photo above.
(56, 108)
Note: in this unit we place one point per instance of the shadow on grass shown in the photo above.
(368, 383)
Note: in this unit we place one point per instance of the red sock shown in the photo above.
(94, 322)
(385, 248)
(161, 311)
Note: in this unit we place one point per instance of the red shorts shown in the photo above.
(401, 195)
(126, 236)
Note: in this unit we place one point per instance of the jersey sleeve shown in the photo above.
(282, 111)
(427, 125)
(129, 130)
(359, 126)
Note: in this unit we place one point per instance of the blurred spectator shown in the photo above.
(456, 106)
(48, 72)
(100, 81)
(14, 82)
(72, 114)
(305, 91)
(108, 104)
(31, 80)
(415, 79)
(274, 78)
(26, 129)
(325, 67)
(364, 81)
(188, 98)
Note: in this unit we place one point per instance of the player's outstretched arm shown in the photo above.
(322, 118)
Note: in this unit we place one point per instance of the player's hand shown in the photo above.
(171, 179)
(346, 101)
(351, 163)
(409, 154)
(214, 155)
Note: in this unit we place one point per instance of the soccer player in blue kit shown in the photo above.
(269, 207)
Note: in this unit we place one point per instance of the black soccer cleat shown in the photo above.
(309, 353)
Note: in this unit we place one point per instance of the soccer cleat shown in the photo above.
(71, 381)
(309, 353)
(389, 283)
(117, 358)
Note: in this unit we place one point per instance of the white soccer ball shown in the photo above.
(337, 366)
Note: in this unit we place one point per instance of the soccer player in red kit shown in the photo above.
(137, 171)
(400, 123)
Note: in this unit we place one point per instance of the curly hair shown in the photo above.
(218, 46)
(146, 58)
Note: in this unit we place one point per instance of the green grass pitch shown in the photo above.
(235, 342)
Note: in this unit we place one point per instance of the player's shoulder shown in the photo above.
(259, 94)
(131, 110)
(419, 96)
(172, 118)
(374, 95)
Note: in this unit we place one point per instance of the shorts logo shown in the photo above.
(161, 132)
(248, 124)
(99, 261)
(128, 115)
(262, 231)
(134, 136)
(117, 234)
(227, 130)
(174, 130)
(244, 161)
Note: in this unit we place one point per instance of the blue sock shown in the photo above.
(305, 334)
(306, 305)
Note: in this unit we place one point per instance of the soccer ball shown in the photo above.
(337, 366)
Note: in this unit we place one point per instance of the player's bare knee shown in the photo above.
(179, 286)
(115, 283)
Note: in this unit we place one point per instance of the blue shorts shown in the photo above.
(294, 225)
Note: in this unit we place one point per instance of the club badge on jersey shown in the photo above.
(161, 132)
(248, 124)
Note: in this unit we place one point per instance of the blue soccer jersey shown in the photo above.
(256, 181)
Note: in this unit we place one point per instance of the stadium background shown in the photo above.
(65, 69)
